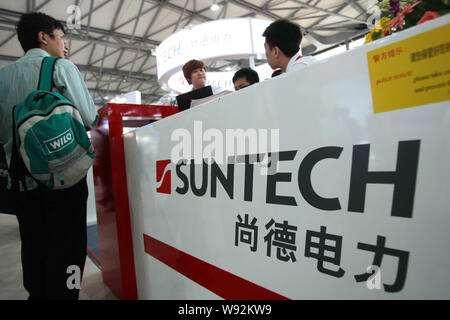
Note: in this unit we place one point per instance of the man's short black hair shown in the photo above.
(31, 24)
(250, 75)
(285, 35)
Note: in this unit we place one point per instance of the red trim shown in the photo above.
(120, 190)
(94, 256)
(219, 281)
(115, 114)
(299, 57)
(110, 180)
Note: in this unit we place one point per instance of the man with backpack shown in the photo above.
(52, 222)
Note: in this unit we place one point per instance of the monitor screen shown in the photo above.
(184, 100)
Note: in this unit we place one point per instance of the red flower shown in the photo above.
(429, 15)
(399, 21)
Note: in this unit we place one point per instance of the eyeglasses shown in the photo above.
(61, 37)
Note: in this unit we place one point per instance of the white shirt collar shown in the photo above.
(37, 52)
(292, 61)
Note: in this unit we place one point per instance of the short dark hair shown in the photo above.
(285, 35)
(30, 24)
(190, 66)
(249, 74)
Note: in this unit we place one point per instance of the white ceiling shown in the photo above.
(113, 47)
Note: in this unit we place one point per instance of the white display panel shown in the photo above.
(328, 130)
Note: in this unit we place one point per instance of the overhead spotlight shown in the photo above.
(215, 7)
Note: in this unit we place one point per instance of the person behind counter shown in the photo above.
(282, 46)
(195, 73)
(244, 78)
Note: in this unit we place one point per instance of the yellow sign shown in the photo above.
(411, 72)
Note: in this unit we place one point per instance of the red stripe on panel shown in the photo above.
(94, 256)
(219, 281)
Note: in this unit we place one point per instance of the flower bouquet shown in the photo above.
(397, 15)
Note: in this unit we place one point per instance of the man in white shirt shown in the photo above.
(282, 46)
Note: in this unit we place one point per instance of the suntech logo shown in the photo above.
(163, 177)
(403, 177)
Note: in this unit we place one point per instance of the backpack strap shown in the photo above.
(17, 169)
(46, 74)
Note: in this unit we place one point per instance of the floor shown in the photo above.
(92, 286)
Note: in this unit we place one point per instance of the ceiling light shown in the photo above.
(215, 7)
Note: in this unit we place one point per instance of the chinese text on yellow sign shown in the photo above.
(411, 72)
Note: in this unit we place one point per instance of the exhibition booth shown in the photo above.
(329, 182)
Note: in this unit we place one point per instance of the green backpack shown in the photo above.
(50, 142)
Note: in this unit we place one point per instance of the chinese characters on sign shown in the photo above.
(320, 245)
(284, 239)
(388, 54)
(411, 72)
(321, 250)
(430, 52)
(211, 40)
(184, 47)
(414, 56)
(248, 232)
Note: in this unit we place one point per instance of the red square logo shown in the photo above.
(163, 177)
